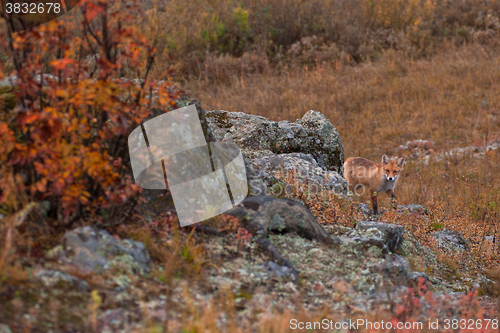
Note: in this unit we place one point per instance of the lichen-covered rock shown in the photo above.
(325, 272)
(44, 79)
(441, 275)
(363, 208)
(268, 174)
(257, 136)
(412, 208)
(419, 280)
(91, 249)
(450, 240)
(56, 279)
(274, 269)
(261, 214)
(420, 256)
(391, 234)
(57, 296)
(114, 319)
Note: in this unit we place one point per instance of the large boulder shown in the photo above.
(308, 151)
(263, 214)
(257, 136)
(272, 174)
(92, 249)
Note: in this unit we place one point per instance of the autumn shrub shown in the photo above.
(64, 143)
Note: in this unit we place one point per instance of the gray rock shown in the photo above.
(52, 279)
(274, 269)
(391, 234)
(262, 174)
(91, 249)
(257, 136)
(395, 267)
(365, 209)
(365, 243)
(11, 81)
(451, 241)
(114, 318)
(422, 257)
(419, 278)
(493, 145)
(487, 286)
(492, 239)
(262, 214)
(413, 208)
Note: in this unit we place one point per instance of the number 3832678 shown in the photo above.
(32, 8)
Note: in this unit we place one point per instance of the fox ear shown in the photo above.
(385, 159)
(401, 162)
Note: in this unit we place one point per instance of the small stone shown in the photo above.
(315, 252)
(419, 279)
(52, 278)
(416, 208)
(275, 269)
(365, 209)
(392, 234)
(451, 240)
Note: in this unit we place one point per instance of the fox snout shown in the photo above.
(391, 179)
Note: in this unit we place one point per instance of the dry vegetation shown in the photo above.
(376, 107)
(383, 72)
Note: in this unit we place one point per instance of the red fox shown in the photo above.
(362, 173)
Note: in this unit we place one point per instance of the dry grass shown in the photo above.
(451, 99)
(378, 106)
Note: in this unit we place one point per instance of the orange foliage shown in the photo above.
(65, 141)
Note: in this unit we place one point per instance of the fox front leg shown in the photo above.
(374, 202)
(393, 198)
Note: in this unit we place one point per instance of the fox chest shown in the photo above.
(387, 185)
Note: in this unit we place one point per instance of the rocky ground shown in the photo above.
(96, 280)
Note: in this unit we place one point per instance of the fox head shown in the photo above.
(392, 167)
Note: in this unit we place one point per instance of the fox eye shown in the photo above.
(395, 172)
(387, 171)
